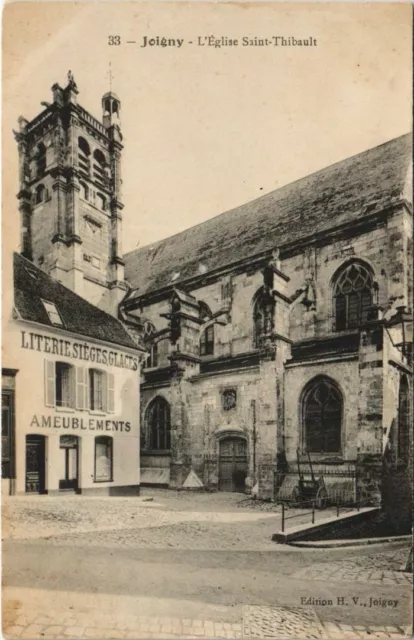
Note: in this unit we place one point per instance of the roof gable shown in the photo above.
(33, 287)
(340, 194)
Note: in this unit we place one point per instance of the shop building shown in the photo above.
(70, 396)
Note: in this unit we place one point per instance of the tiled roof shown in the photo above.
(32, 285)
(342, 193)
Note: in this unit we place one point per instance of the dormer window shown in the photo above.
(53, 313)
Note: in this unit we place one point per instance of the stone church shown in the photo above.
(270, 329)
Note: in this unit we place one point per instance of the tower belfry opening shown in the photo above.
(70, 197)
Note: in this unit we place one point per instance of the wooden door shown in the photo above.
(35, 464)
(232, 465)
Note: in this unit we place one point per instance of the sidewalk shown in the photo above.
(30, 613)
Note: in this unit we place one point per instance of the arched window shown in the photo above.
(207, 341)
(101, 200)
(84, 147)
(158, 423)
(352, 296)
(404, 421)
(103, 459)
(40, 160)
(152, 358)
(263, 312)
(322, 416)
(85, 190)
(40, 193)
(83, 155)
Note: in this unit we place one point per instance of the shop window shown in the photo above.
(322, 416)
(152, 358)
(352, 296)
(53, 313)
(40, 195)
(64, 385)
(101, 391)
(404, 422)
(207, 341)
(158, 424)
(103, 459)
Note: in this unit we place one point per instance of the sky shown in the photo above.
(207, 129)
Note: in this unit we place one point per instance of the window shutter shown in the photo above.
(50, 383)
(105, 391)
(72, 387)
(81, 388)
(111, 393)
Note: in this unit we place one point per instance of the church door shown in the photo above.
(232, 465)
(35, 464)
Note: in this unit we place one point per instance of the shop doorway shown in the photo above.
(69, 448)
(35, 464)
(232, 465)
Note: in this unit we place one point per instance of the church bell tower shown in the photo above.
(70, 198)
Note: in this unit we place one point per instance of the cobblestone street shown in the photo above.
(185, 565)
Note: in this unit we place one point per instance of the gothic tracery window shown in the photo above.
(322, 416)
(352, 296)
(158, 424)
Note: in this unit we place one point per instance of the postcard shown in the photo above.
(207, 363)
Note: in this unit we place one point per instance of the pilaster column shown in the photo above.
(59, 189)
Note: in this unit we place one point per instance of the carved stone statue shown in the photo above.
(71, 79)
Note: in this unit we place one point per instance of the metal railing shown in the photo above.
(339, 506)
(297, 515)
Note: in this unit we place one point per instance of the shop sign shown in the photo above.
(84, 424)
(77, 351)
